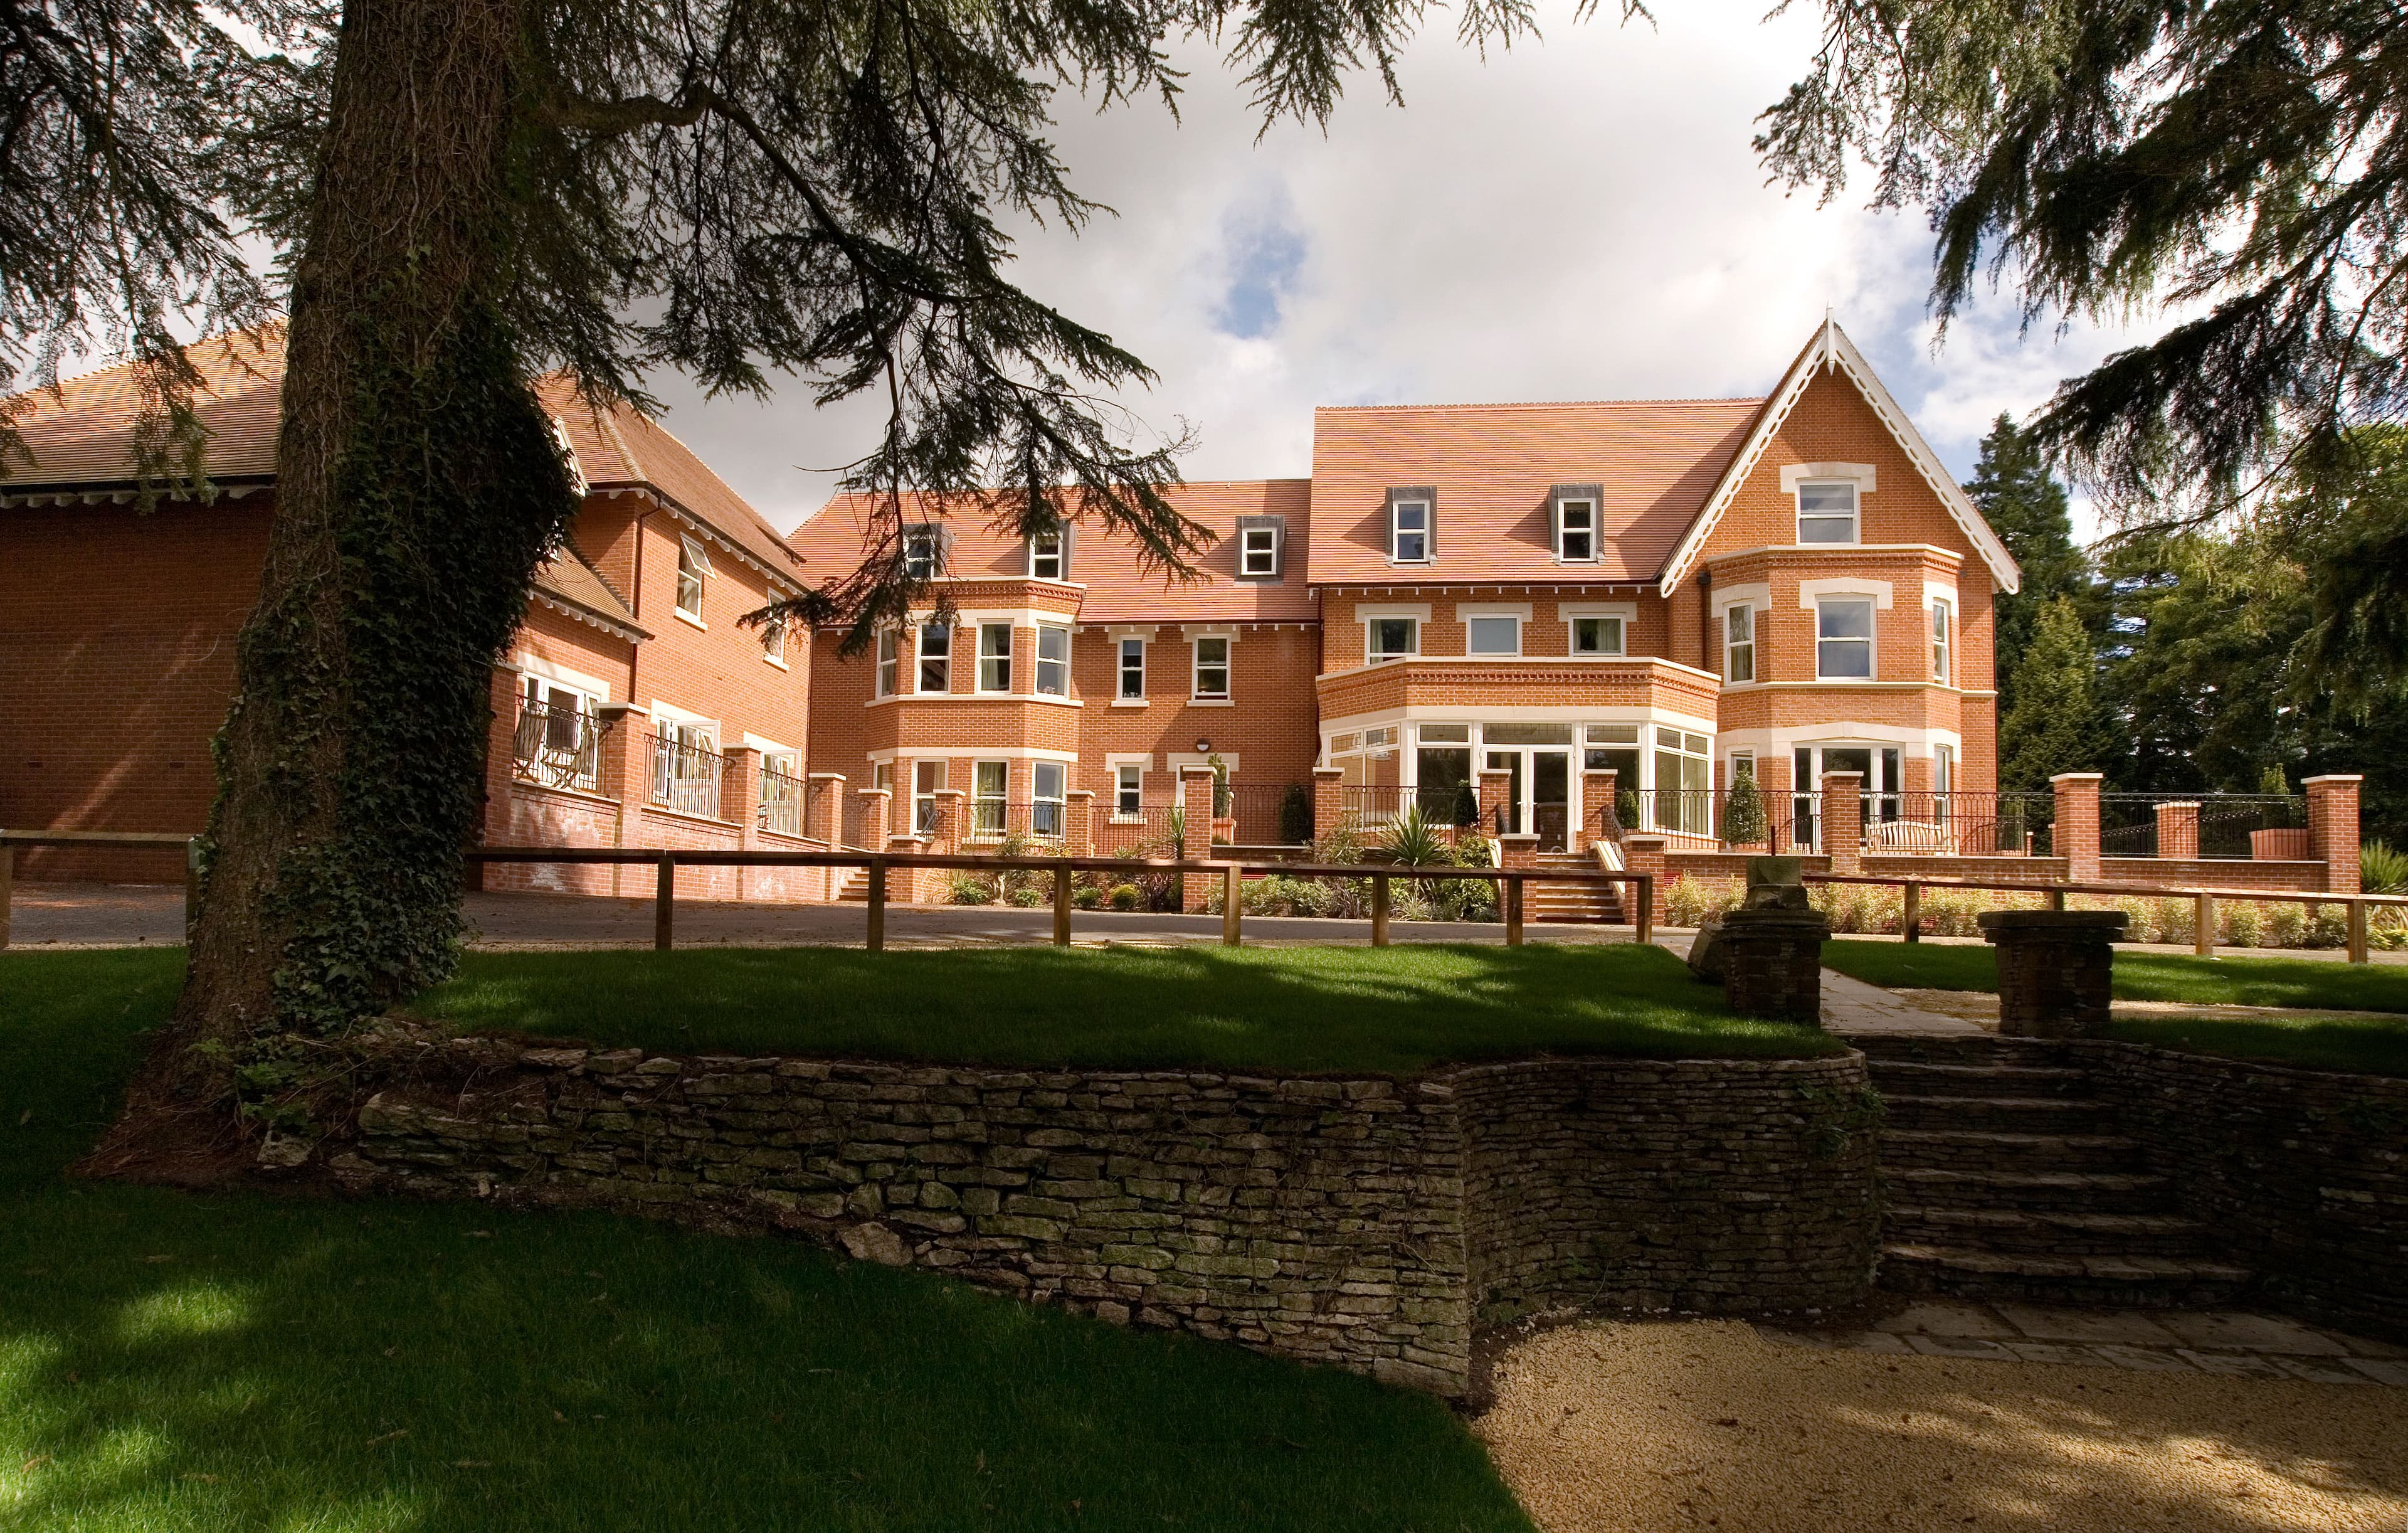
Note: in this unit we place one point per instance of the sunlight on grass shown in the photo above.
(197, 1310)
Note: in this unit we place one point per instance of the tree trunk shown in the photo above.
(416, 489)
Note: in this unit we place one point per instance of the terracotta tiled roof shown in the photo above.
(568, 577)
(831, 543)
(1493, 467)
(83, 435)
(83, 438)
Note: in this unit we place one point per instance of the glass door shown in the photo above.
(1511, 818)
(1550, 797)
(1878, 768)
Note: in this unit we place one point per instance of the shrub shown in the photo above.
(1026, 899)
(1295, 815)
(1743, 812)
(2286, 926)
(967, 889)
(1342, 848)
(2328, 926)
(1412, 841)
(1087, 897)
(2382, 870)
(1125, 896)
(1689, 901)
(2244, 923)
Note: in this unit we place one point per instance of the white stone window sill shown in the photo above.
(1212, 702)
(1131, 702)
(688, 617)
(771, 659)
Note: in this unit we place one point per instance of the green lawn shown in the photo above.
(173, 1362)
(1395, 1010)
(2365, 1044)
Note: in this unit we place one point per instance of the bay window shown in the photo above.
(1054, 662)
(1843, 639)
(995, 657)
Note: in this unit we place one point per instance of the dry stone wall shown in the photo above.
(1349, 1222)
(2301, 1175)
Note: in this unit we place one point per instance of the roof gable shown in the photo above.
(1831, 350)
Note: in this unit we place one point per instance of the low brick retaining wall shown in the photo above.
(1360, 1223)
(2301, 1175)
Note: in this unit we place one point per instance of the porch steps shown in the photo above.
(1585, 904)
(2005, 1179)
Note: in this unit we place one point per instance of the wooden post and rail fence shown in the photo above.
(1511, 882)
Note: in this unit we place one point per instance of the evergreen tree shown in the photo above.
(2049, 730)
(2024, 506)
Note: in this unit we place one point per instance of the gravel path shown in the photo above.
(1632, 1428)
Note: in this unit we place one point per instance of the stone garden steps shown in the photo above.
(2004, 1180)
(2101, 1191)
(1587, 904)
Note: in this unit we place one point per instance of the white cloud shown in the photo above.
(1579, 218)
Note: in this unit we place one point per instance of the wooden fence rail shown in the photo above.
(124, 840)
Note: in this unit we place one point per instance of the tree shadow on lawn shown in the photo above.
(1303, 1009)
(170, 1361)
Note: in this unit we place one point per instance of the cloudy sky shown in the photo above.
(1582, 218)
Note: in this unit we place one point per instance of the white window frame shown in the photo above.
(1738, 642)
(773, 642)
(1039, 554)
(1470, 619)
(1944, 647)
(1943, 770)
(1852, 517)
(1566, 532)
(924, 553)
(1268, 549)
(987, 660)
(890, 660)
(1398, 532)
(983, 825)
(923, 819)
(1058, 668)
(1871, 639)
(1373, 656)
(1200, 666)
(693, 574)
(1041, 800)
(1129, 790)
(1122, 673)
(1621, 636)
(921, 657)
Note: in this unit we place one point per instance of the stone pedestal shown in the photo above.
(1772, 963)
(2057, 969)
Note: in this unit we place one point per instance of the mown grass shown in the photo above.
(1394, 1011)
(2369, 1045)
(172, 1362)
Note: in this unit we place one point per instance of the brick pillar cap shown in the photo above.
(1829, 776)
(881, 793)
(1644, 840)
(619, 711)
(1495, 771)
(2333, 777)
(828, 777)
(1079, 793)
(951, 793)
(1192, 769)
(1329, 771)
(2079, 777)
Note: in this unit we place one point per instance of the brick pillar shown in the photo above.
(877, 816)
(2057, 969)
(1328, 799)
(1843, 821)
(1600, 820)
(501, 755)
(627, 777)
(822, 820)
(2178, 830)
(1195, 799)
(739, 801)
(1493, 790)
(1773, 964)
(2332, 828)
(1644, 855)
(2076, 835)
(1079, 836)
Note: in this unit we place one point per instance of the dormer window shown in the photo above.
(1576, 522)
(1410, 527)
(924, 553)
(1045, 556)
(1827, 513)
(1258, 551)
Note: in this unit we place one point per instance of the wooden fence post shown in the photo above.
(1646, 922)
(1911, 915)
(1062, 906)
(1512, 909)
(7, 889)
(877, 905)
(2357, 931)
(1379, 910)
(2056, 899)
(664, 905)
(2202, 936)
(1230, 902)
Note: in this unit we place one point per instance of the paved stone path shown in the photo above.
(2234, 1342)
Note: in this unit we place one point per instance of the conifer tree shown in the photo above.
(2025, 505)
(2048, 730)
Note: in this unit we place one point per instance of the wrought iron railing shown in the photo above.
(993, 819)
(1369, 804)
(1271, 813)
(685, 777)
(781, 802)
(558, 748)
(2129, 822)
(1145, 829)
(1959, 825)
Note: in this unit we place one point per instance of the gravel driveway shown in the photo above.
(1631, 1428)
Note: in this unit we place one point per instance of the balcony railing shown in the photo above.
(1379, 804)
(685, 777)
(557, 748)
(1958, 824)
(782, 803)
(1271, 813)
(993, 819)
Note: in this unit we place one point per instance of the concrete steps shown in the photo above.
(1585, 904)
(2005, 1180)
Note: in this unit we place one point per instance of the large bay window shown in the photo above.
(1843, 639)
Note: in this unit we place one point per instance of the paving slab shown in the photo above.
(1961, 1346)
(2057, 1353)
(2394, 1374)
(2319, 1371)
(2233, 1331)
(2237, 1365)
(1854, 1008)
(2119, 1327)
(1939, 1318)
(2144, 1359)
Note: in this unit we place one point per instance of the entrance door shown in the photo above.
(1550, 797)
(1876, 767)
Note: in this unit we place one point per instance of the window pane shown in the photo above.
(1527, 733)
(1132, 667)
(1845, 620)
(1828, 499)
(1614, 733)
(936, 644)
(1392, 635)
(1494, 635)
(995, 657)
(1445, 734)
